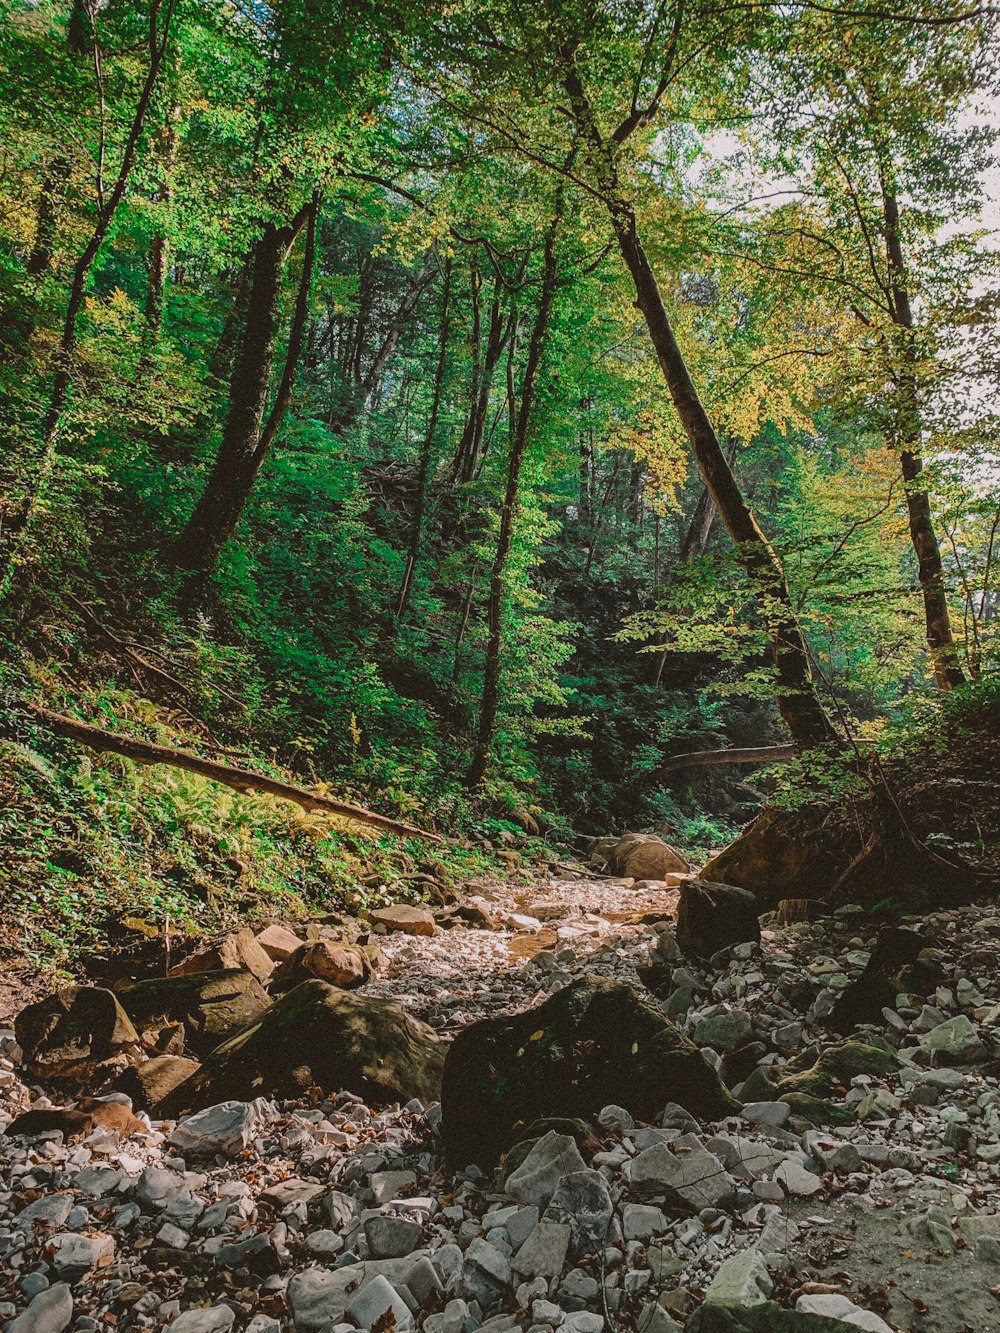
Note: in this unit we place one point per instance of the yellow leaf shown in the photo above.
(535, 1035)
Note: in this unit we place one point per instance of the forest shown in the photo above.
(480, 482)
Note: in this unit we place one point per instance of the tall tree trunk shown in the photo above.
(426, 452)
(246, 440)
(47, 216)
(798, 700)
(369, 384)
(159, 251)
(519, 440)
(937, 619)
(471, 443)
(13, 525)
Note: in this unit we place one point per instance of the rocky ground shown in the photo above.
(858, 1180)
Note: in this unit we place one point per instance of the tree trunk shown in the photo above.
(14, 525)
(518, 444)
(47, 215)
(159, 252)
(471, 443)
(937, 619)
(798, 701)
(426, 452)
(246, 440)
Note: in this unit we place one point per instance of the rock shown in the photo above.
(692, 1177)
(318, 1035)
(278, 942)
(375, 1302)
(641, 1221)
(766, 1113)
(535, 1181)
(796, 1179)
(781, 854)
(291, 1190)
(339, 964)
(211, 1005)
(318, 1297)
(226, 1128)
(486, 1273)
(817, 1110)
(839, 1307)
(767, 1318)
(50, 1311)
(410, 920)
(543, 1253)
(955, 1040)
(583, 1202)
(741, 1280)
(652, 1318)
(834, 1069)
(876, 989)
(714, 916)
(237, 952)
(392, 1237)
(723, 1031)
(213, 1319)
(81, 1034)
(593, 1042)
(147, 1084)
(73, 1254)
(645, 856)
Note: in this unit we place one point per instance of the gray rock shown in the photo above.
(324, 1244)
(74, 1254)
(49, 1312)
(377, 1299)
(955, 1039)
(766, 1113)
(724, 1031)
(742, 1280)
(52, 1209)
(652, 1318)
(537, 1178)
(216, 1319)
(640, 1221)
(388, 1185)
(543, 1254)
(392, 1237)
(225, 1129)
(520, 1225)
(839, 1307)
(583, 1202)
(486, 1273)
(694, 1177)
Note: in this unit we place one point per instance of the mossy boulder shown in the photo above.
(817, 1111)
(594, 1043)
(835, 1067)
(321, 1036)
(211, 1005)
(713, 916)
(764, 1318)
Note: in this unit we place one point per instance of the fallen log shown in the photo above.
(240, 779)
(753, 754)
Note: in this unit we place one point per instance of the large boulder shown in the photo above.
(594, 1043)
(238, 951)
(211, 1005)
(645, 856)
(715, 916)
(320, 1036)
(81, 1034)
(764, 1318)
(834, 1068)
(147, 1084)
(781, 854)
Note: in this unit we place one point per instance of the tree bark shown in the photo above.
(47, 216)
(159, 251)
(420, 503)
(518, 444)
(930, 571)
(239, 779)
(798, 701)
(246, 440)
(14, 525)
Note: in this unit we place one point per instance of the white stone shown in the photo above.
(839, 1307)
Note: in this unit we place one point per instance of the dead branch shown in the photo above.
(240, 779)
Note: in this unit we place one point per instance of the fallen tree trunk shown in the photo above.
(240, 779)
(753, 754)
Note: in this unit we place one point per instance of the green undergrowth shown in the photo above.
(96, 849)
